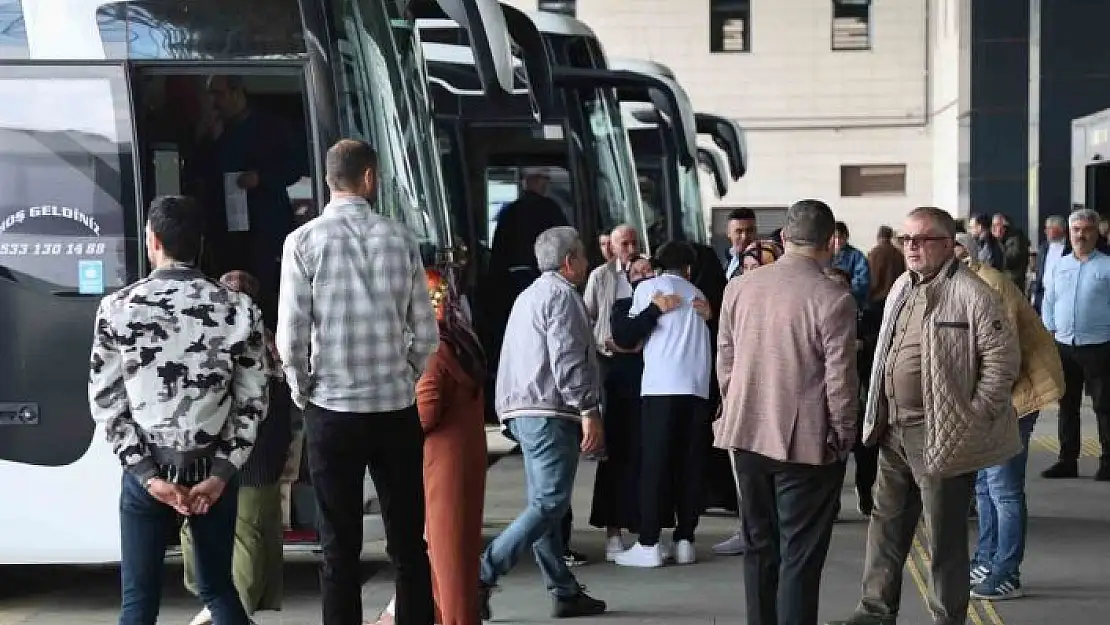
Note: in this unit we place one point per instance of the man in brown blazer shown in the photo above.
(790, 401)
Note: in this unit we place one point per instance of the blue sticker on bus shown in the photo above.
(90, 277)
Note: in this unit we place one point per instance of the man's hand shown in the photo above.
(173, 495)
(205, 495)
(248, 180)
(704, 310)
(593, 436)
(666, 303)
(617, 349)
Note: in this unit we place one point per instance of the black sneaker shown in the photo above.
(574, 558)
(1061, 471)
(484, 593)
(865, 503)
(1103, 473)
(578, 605)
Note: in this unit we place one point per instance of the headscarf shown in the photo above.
(971, 245)
(632, 260)
(764, 252)
(454, 330)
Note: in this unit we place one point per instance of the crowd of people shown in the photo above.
(925, 359)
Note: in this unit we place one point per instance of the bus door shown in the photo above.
(239, 140)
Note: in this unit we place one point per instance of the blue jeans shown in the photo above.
(1003, 515)
(550, 447)
(145, 528)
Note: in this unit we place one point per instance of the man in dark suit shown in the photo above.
(1053, 248)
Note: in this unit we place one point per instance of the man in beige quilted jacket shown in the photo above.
(939, 408)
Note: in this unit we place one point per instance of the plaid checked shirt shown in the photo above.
(355, 321)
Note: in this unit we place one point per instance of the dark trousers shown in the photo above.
(340, 447)
(788, 512)
(1084, 366)
(567, 528)
(145, 529)
(867, 460)
(674, 446)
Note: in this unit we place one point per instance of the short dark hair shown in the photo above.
(675, 256)
(885, 232)
(178, 222)
(940, 217)
(841, 228)
(741, 213)
(347, 161)
(809, 223)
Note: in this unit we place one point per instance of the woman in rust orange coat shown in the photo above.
(452, 413)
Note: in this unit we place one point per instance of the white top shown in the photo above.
(677, 353)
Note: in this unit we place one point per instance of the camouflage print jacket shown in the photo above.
(178, 374)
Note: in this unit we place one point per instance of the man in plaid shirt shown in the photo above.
(355, 329)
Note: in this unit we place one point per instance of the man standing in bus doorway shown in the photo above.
(259, 149)
(355, 330)
(167, 353)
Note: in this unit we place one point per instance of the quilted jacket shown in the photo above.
(1040, 380)
(969, 363)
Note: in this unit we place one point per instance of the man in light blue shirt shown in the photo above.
(674, 418)
(1076, 310)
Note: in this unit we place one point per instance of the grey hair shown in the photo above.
(555, 245)
(1056, 220)
(941, 218)
(1083, 214)
(623, 228)
(809, 223)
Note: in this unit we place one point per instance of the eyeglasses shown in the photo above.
(919, 241)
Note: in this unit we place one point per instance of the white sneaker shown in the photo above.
(614, 545)
(204, 617)
(684, 552)
(641, 557)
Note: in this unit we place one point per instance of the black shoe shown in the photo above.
(865, 503)
(578, 605)
(484, 593)
(1061, 471)
(573, 558)
(1103, 473)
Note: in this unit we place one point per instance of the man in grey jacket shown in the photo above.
(548, 398)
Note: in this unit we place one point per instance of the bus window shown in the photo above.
(66, 192)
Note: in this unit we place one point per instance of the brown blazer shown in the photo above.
(887, 263)
(786, 361)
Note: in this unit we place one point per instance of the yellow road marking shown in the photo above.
(1088, 447)
(974, 606)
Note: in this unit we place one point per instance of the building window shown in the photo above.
(851, 25)
(868, 180)
(730, 26)
(562, 7)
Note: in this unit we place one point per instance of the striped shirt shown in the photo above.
(355, 321)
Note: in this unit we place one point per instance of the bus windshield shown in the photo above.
(396, 122)
(693, 220)
(616, 176)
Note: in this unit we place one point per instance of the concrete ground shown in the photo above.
(1069, 538)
